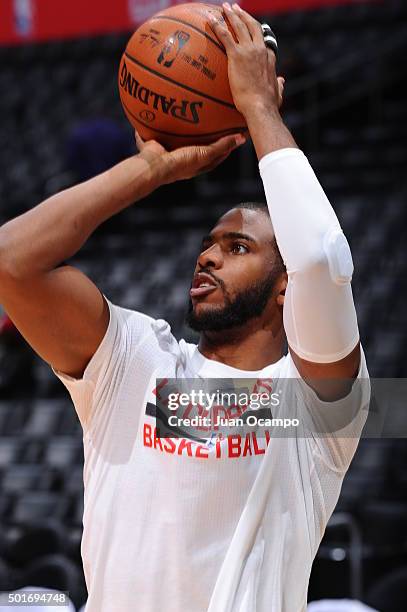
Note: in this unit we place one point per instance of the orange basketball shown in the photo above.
(173, 79)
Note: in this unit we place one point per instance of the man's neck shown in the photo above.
(245, 349)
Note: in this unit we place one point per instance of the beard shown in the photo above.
(246, 305)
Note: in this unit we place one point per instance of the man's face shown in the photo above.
(235, 273)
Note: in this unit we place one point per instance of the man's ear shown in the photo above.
(281, 287)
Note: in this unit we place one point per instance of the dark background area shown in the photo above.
(61, 121)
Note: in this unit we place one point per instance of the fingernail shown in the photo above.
(227, 6)
(236, 7)
(240, 139)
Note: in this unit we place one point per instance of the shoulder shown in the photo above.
(143, 336)
(127, 317)
(135, 325)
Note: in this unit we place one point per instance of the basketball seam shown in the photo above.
(215, 42)
(147, 125)
(170, 80)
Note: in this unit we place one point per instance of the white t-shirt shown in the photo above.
(177, 525)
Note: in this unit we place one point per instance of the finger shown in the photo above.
(221, 158)
(252, 25)
(224, 145)
(214, 154)
(205, 155)
(281, 82)
(139, 141)
(238, 26)
(221, 31)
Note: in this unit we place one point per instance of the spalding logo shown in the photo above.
(184, 110)
(147, 115)
(172, 47)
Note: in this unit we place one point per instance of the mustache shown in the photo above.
(215, 278)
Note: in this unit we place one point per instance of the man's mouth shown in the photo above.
(202, 284)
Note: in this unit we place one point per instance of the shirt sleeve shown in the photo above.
(334, 428)
(101, 379)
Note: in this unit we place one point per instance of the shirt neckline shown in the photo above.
(217, 367)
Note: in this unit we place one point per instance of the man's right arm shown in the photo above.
(58, 310)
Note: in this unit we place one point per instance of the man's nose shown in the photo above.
(211, 258)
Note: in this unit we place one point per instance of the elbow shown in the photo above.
(7, 273)
(338, 257)
(3, 255)
(333, 258)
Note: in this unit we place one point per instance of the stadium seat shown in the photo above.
(384, 524)
(14, 418)
(63, 452)
(32, 450)
(72, 543)
(40, 506)
(390, 593)
(20, 478)
(44, 418)
(34, 540)
(9, 450)
(75, 516)
(74, 480)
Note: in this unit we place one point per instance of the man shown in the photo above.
(175, 524)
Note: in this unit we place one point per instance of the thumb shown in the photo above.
(281, 83)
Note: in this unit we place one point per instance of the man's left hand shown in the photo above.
(251, 65)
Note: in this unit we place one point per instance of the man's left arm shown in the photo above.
(319, 313)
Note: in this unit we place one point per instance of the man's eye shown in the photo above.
(237, 248)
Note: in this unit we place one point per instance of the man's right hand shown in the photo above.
(186, 162)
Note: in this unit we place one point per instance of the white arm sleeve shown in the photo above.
(319, 313)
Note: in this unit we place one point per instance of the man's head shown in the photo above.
(239, 274)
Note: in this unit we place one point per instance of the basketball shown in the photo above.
(173, 79)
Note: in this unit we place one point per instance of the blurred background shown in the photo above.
(62, 122)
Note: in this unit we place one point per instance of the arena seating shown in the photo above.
(345, 104)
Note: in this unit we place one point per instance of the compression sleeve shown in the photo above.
(319, 313)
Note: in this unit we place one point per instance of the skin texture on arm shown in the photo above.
(58, 310)
(257, 93)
